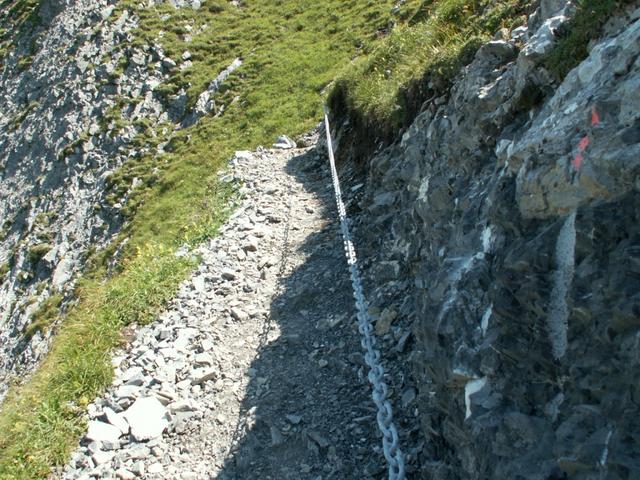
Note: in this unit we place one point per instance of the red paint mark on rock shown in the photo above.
(584, 143)
(577, 162)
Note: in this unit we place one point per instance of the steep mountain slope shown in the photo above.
(58, 151)
(490, 153)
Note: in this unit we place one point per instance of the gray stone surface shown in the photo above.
(517, 243)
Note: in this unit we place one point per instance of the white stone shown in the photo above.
(147, 418)
(100, 457)
(238, 314)
(117, 420)
(62, 273)
(204, 359)
(474, 386)
(103, 432)
(285, 143)
(124, 474)
(156, 468)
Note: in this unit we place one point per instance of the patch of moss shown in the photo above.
(36, 252)
(73, 146)
(586, 25)
(44, 317)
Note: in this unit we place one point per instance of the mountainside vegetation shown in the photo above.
(291, 51)
(374, 61)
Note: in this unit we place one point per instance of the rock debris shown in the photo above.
(250, 371)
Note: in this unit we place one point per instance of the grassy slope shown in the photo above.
(292, 49)
(380, 92)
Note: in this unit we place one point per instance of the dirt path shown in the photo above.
(255, 369)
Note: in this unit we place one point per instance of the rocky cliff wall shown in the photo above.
(506, 226)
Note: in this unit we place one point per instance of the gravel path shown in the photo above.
(255, 368)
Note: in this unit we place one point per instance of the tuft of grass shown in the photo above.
(571, 49)
(73, 146)
(37, 251)
(5, 268)
(381, 92)
(44, 317)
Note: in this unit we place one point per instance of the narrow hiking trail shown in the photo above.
(255, 369)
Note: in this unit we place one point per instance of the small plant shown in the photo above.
(71, 147)
(5, 268)
(36, 252)
(24, 62)
(44, 317)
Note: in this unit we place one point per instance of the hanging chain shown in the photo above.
(390, 442)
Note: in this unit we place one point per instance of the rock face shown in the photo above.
(56, 152)
(515, 231)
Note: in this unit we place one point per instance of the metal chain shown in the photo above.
(390, 442)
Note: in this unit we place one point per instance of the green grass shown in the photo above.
(587, 24)
(291, 52)
(43, 419)
(44, 317)
(4, 271)
(37, 251)
(17, 17)
(382, 92)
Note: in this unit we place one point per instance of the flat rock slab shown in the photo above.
(103, 432)
(147, 418)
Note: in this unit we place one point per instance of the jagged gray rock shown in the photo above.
(514, 228)
(55, 159)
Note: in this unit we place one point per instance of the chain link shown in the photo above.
(390, 442)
